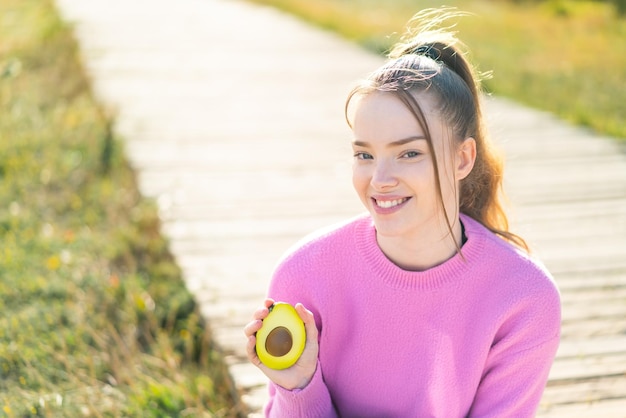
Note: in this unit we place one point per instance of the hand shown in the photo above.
(300, 374)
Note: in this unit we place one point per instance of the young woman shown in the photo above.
(427, 306)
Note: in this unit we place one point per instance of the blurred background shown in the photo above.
(157, 158)
(564, 56)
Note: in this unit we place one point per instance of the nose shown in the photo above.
(384, 176)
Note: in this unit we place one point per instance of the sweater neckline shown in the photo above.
(451, 271)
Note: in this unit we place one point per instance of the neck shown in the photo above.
(421, 252)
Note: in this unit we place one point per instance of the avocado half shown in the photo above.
(281, 339)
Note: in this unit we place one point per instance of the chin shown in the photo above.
(390, 228)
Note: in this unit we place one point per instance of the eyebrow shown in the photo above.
(394, 143)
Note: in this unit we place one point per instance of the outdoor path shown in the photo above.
(232, 116)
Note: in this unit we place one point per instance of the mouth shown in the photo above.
(388, 204)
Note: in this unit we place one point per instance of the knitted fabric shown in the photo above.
(474, 336)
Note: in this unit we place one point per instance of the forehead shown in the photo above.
(382, 116)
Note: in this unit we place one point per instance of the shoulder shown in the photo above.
(512, 272)
(517, 292)
(326, 242)
(518, 286)
(499, 255)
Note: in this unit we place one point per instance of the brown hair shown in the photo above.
(429, 59)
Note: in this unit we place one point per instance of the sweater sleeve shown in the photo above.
(294, 281)
(512, 385)
(519, 362)
(312, 401)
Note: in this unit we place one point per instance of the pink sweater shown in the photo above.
(473, 338)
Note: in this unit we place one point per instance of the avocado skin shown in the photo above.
(281, 315)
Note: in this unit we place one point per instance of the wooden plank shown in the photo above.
(613, 344)
(609, 408)
(593, 327)
(611, 308)
(582, 282)
(587, 208)
(587, 367)
(596, 294)
(585, 392)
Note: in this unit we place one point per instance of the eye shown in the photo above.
(360, 155)
(411, 154)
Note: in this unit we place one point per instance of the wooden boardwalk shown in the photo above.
(232, 116)
(568, 188)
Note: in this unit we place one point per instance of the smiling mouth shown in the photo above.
(386, 204)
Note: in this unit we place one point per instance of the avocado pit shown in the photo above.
(279, 342)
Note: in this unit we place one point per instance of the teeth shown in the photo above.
(389, 203)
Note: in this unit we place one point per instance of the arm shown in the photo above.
(518, 363)
(311, 401)
(512, 384)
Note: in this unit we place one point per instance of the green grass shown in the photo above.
(95, 318)
(566, 57)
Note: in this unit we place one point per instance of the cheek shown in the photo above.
(421, 175)
(360, 178)
(447, 183)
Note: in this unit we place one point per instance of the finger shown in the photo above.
(262, 312)
(251, 351)
(252, 327)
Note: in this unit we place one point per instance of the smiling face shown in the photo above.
(394, 173)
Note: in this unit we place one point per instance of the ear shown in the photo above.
(465, 158)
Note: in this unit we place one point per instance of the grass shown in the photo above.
(565, 57)
(96, 320)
